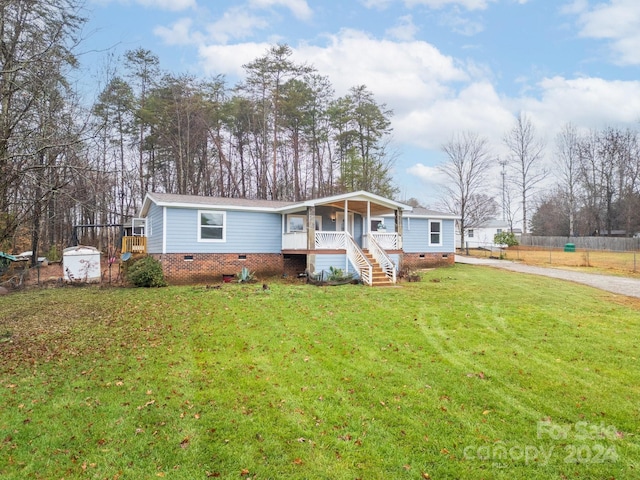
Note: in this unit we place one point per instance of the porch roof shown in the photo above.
(360, 202)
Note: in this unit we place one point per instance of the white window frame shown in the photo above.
(470, 233)
(224, 226)
(439, 243)
(140, 223)
(377, 219)
(318, 221)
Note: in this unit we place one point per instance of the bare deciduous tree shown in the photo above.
(526, 157)
(467, 165)
(568, 151)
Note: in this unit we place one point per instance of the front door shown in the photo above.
(340, 222)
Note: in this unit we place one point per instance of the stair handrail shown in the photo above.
(358, 259)
(383, 259)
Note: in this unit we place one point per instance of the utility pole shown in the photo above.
(503, 163)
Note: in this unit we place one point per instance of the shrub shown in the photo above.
(505, 238)
(245, 276)
(146, 272)
(338, 275)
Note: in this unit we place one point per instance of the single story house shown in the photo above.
(202, 239)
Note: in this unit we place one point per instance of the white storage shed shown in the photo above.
(81, 264)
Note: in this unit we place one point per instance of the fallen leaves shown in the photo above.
(148, 404)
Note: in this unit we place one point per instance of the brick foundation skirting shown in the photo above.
(193, 268)
(427, 260)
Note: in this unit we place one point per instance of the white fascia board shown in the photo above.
(436, 216)
(361, 195)
(146, 204)
(215, 206)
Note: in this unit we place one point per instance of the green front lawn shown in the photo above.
(472, 373)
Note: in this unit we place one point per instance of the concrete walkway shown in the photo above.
(620, 285)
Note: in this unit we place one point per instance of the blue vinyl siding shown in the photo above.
(155, 226)
(246, 232)
(395, 258)
(416, 236)
(324, 262)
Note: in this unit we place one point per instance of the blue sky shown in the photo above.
(442, 66)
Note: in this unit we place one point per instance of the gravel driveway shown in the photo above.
(620, 285)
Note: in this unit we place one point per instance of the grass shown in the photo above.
(594, 261)
(471, 373)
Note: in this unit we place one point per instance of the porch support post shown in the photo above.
(346, 218)
(346, 231)
(399, 227)
(311, 239)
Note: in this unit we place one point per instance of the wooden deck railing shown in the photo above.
(134, 244)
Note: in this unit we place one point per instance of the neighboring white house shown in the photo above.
(482, 236)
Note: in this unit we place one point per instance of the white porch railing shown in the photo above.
(358, 259)
(382, 258)
(323, 241)
(386, 241)
(294, 241)
(331, 240)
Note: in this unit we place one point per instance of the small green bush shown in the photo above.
(505, 238)
(338, 275)
(146, 272)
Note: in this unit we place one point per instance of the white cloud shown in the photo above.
(392, 70)
(171, 5)
(404, 29)
(299, 8)
(427, 174)
(378, 4)
(586, 102)
(228, 59)
(575, 7)
(179, 33)
(617, 21)
(236, 23)
(476, 108)
(433, 4)
(461, 24)
(436, 4)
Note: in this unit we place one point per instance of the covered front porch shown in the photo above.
(298, 242)
(364, 227)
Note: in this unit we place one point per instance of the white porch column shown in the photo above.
(346, 231)
(366, 230)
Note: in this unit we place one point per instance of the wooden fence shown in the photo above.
(615, 244)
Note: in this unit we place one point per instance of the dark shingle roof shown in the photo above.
(222, 201)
